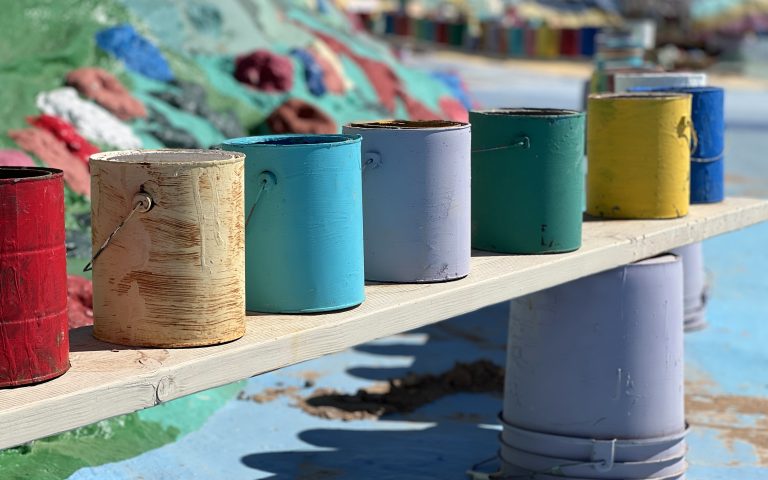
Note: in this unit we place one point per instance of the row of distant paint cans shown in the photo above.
(186, 240)
(494, 37)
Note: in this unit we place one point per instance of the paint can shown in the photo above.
(624, 82)
(643, 31)
(638, 148)
(611, 344)
(527, 180)
(442, 32)
(570, 42)
(695, 290)
(597, 467)
(588, 42)
(610, 74)
(33, 276)
(304, 222)
(516, 41)
(547, 42)
(168, 247)
(529, 41)
(389, 23)
(416, 199)
(456, 33)
(707, 163)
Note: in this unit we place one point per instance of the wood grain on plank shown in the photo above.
(107, 380)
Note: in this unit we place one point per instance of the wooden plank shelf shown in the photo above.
(107, 380)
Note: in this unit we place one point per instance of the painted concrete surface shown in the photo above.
(726, 364)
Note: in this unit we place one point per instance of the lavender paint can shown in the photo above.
(695, 289)
(416, 199)
(595, 376)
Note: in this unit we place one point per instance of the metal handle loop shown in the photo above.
(371, 160)
(523, 142)
(267, 179)
(142, 203)
(694, 137)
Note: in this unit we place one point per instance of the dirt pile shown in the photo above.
(402, 395)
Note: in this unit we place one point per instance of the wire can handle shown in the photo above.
(142, 203)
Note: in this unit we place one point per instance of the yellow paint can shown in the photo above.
(638, 150)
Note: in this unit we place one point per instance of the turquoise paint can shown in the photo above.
(303, 222)
(515, 41)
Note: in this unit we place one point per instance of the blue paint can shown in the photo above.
(707, 161)
(303, 222)
(588, 44)
(707, 158)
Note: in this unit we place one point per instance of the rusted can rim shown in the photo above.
(640, 96)
(294, 140)
(530, 112)
(409, 125)
(184, 157)
(28, 174)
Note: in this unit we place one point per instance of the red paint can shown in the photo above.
(34, 339)
(570, 42)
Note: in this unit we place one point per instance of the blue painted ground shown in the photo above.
(727, 364)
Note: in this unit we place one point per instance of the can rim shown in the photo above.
(700, 89)
(293, 140)
(169, 156)
(639, 96)
(11, 174)
(664, 74)
(530, 112)
(407, 125)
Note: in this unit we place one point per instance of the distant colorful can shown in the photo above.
(34, 337)
(303, 222)
(625, 82)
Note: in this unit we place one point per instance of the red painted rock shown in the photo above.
(453, 110)
(298, 116)
(106, 90)
(80, 301)
(417, 110)
(15, 158)
(54, 153)
(65, 132)
(265, 71)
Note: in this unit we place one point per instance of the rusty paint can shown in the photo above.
(168, 240)
(34, 340)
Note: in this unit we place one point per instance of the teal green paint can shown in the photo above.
(527, 180)
(303, 222)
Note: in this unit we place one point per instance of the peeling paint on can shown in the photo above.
(168, 273)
